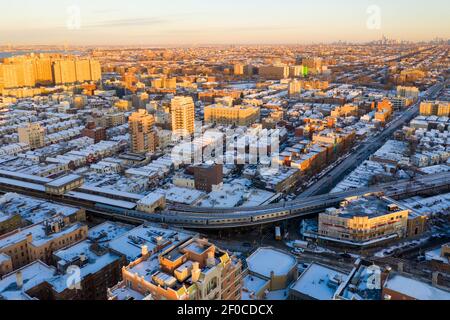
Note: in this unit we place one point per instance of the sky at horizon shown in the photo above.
(182, 22)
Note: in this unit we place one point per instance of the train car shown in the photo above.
(229, 220)
(180, 219)
(270, 215)
(111, 209)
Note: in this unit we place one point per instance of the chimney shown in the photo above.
(144, 251)
(195, 272)
(19, 279)
(211, 261)
(400, 267)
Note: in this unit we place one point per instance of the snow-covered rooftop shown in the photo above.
(265, 260)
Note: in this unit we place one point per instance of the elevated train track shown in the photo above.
(221, 218)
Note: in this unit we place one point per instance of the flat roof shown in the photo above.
(414, 288)
(252, 285)
(102, 200)
(319, 282)
(33, 275)
(60, 182)
(265, 260)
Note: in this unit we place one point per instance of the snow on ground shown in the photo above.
(389, 251)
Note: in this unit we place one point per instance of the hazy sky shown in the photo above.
(153, 22)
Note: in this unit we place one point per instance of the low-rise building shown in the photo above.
(317, 282)
(39, 241)
(237, 115)
(64, 184)
(276, 267)
(364, 221)
(151, 202)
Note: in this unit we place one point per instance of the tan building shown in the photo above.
(164, 83)
(31, 70)
(142, 133)
(347, 110)
(33, 135)
(314, 64)
(238, 69)
(64, 71)
(9, 222)
(151, 202)
(408, 92)
(314, 84)
(5, 264)
(83, 70)
(362, 221)
(114, 120)
(436, 108)
(183, 115)
(237, 115)
(270, 272)
(295, 87)
(274, 72)
(64, 184)
(39, 241)
(192, 270)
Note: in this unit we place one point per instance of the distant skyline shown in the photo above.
(190, 22)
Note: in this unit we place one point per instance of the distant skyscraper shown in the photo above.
(142, 133)
(183, 115)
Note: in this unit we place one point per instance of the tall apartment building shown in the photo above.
(238, 69)
(274, 72)
(297, 71)
(294, 87)
(435, 108)
(43, 69)
(313, 64)
(142, 133)
(64, 71)
(164, 83)
(17, 75)
(96, 70)
(183, 115)
(29, 71)
(408, 92)
(33, 135)
(192, 270)
(83, 70)
(237, 115)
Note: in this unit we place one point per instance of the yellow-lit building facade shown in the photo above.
(142, 133)
(435, 108)
(364, 220)
(193, 270)
(183, 115)
(237, 115)
(32, 70)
